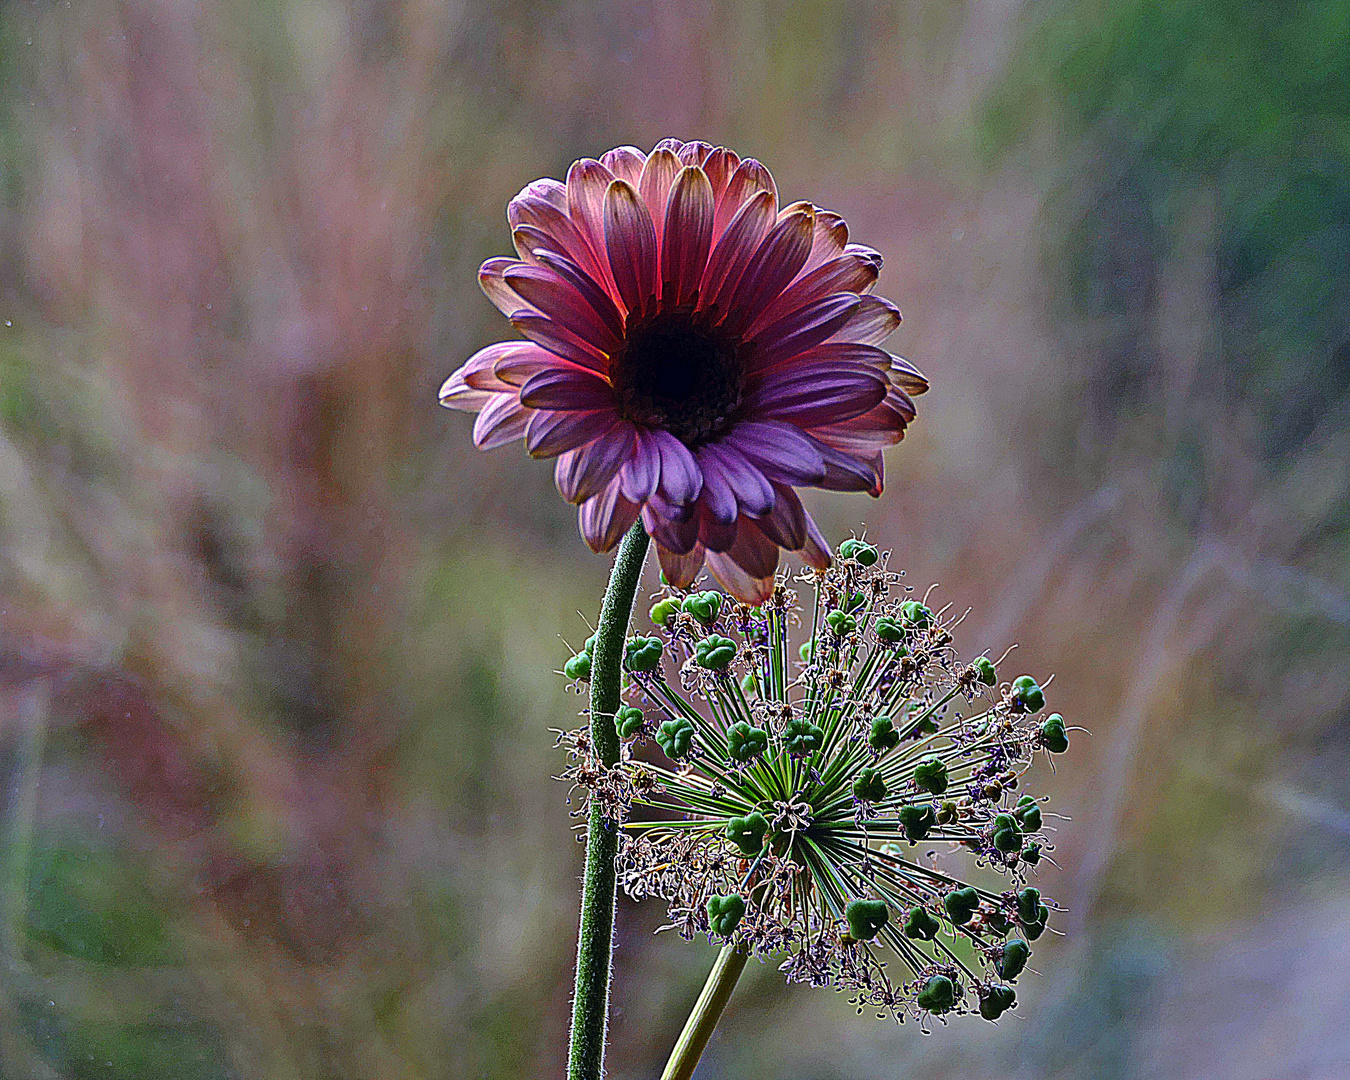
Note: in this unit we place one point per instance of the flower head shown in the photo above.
(861, 813)
(692, 355)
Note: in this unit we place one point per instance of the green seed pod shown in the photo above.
(866, 554)
(866, 918)
(921, 925)
(1027, 695)
(1053, 736)
(918, 820)
(883, 735)
(1033, 930)
(889, 630)
(642, 653)
(1028, 814)
(745, 742)
(996, 1000)
(675, 737)
(725, 913)
(1031, 854)
(915, 614)
(802, 737)
(747, 833)
(663, 611)
(947, 813)
(938, 996)
(804, 651)
(961, 904)
(841, 623)
(628, 720)
(849, 548)
(1028, 903)
(1007, 838)
(998, 921)
(704, 606)
(869, 786)
(930, 775)
(984, 669)
(1012, 958)
(579, 667)
(714, 652)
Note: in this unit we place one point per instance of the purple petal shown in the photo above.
(625, 162)
(843, 472)
(817, 393)
(551, 295)
(736, 247)
(675, 528)
(560, 341)
(829, 240)
(605, 517)
(681, 478)
(779, 450)
(550, 433)
(748, 178)
(502, 420)
(515, 366)
(719, 497)
(592, 291)
(587, 470)
(800, 330)
(785, 524)
(566, 388)
(754, 495)
(642, 470)
(687, 236)
(816, 552)
(775, 263)
(871, 323)
(848, 273)
(492, 280)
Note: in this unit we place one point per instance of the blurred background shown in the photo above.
(277, 644)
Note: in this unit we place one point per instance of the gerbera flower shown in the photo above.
(862, 815)
(693, 354)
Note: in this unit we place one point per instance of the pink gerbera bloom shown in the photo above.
(693, 354)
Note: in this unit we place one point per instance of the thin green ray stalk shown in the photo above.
(590, 1001)
(707, 1011)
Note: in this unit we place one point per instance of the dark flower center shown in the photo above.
(680, 375)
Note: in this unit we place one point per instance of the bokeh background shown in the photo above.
(277, 645)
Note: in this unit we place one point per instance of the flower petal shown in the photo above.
(674, 527)
(816, 552)
(502, 420)
(843, 472)
(478, 372)
(736, 247)
(736, 569)
(550, 294)
(548, 433)
(719, 497)
(567, 388)
(686, 236)
(754, 495)
(749, 178)
(872, 322)
(515, 366)
(809, 394)
(642, 470)
(587, 470)
(560, 341)
(604, 518)
(658, 173)
(681, 570)
(828, 241)
(714, 533)
(681, 478)
(779, 450)
(774, 264)
(848, 273)
(625, 162)
(720, 165)
(630, 240)
(555, 224)
(907, 377)
(785, 524)
(491, 279)
(802, 329)
(694, 153)
(597, 295)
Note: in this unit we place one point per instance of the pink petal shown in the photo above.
(694, 153)
(548, 434)
(479, 371)
(555, 224)
(491, 279)
(754, 552)
(816, 552)
(907, 377)
(779, 450)
(749, 178)
(810, 394)
(587, 470)
(594, 293)
(560, 341)
(720, 165)
(516, 365)
(872, 322)
(673, 145)
(848, 273)
(550, 294)
(625, 162)
(741, 583)
(587, 180)
(736, 247)
(604, 518)
(630, 239)
(658, 173)
(567, 388)
(502, 420)
(674, 527)
(843, 472)
(775, 263)
(681, 570)
(801, 330)
(687, 235)
(828, 241)
(714, 533)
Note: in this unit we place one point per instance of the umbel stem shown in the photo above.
(707, 1011)
(590, 1002)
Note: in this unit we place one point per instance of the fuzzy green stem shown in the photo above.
(590, 1002)
(699, 1027)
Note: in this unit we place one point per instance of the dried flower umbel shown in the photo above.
(829, 810)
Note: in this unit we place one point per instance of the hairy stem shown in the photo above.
(590, 1002)
(707, 1011)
